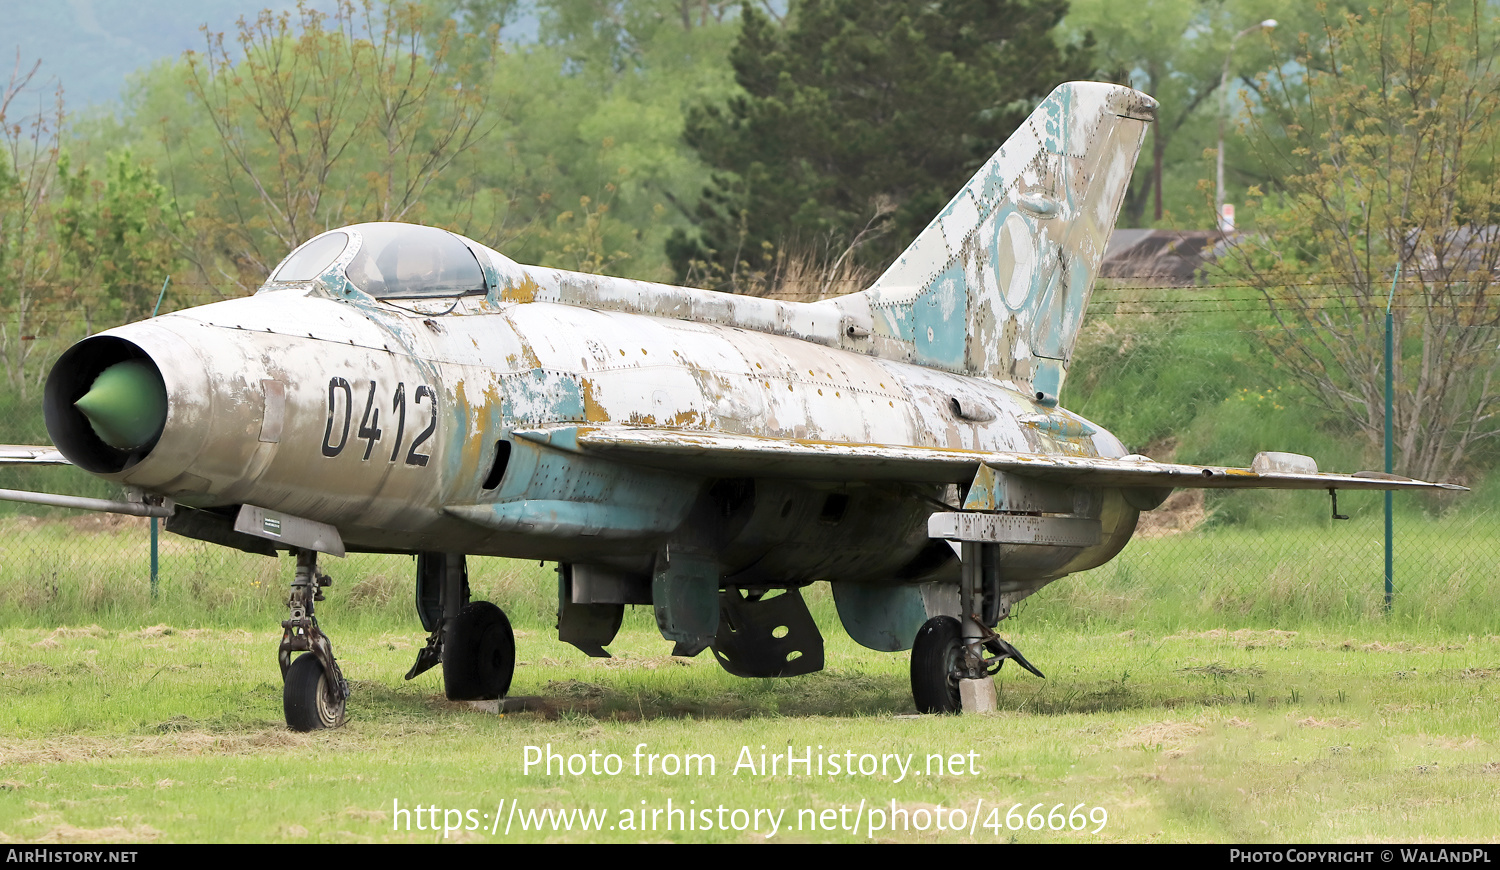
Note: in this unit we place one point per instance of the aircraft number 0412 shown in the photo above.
(341, 417)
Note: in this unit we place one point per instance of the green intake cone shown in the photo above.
(127, 404)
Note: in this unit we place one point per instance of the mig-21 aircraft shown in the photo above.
(397, 388)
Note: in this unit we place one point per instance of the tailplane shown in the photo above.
(997, 284)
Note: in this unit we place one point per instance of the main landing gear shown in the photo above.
(479, 654)
(471, 639)
(950, 653)
(313, 689)
(941, 659)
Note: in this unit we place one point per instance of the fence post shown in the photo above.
(159, 297)
(1389, 395)
(162, 295)
(153, 557)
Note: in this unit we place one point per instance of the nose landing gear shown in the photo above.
(471, 639)
(313, 688)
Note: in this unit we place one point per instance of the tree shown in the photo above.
(1383, 135)
(1175, 50)
(116, 235)
(566, 152)
(324, 122)
(590, 144)
(858, 120)
(29, 254)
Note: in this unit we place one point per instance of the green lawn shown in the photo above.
(1170, 713)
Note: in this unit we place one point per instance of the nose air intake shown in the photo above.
(106, 404)
(127, 405)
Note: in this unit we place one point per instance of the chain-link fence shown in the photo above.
(66, 569)
(1182, 568)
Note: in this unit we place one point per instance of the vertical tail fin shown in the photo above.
(997, 284)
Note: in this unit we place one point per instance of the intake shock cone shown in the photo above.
(126, 405)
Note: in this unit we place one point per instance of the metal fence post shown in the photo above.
(153, 558)
(154, 564)
(1389, 395)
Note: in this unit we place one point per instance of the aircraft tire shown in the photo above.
(934, 662)
(305, 697)
(479, 654)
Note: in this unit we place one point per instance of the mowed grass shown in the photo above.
(125, 720)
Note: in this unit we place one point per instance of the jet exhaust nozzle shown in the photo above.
(127, 405)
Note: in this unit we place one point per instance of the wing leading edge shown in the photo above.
(722, 455)
(20, 454)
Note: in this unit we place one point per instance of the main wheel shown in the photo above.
(479, 654)
(307, 697)
(936, 661)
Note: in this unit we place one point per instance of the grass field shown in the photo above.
(1247, 708)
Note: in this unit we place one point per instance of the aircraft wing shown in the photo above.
(715, 454)
(20, 454)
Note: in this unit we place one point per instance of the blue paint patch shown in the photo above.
(1047, 380)
(1054, 111)
(994, 185)
(336, 284)
(900, 316)
(567, 518)
(559, 476)
(986, 491)
(560, 490)
(1070, 315)
(940, 319)
(459, 430)
(1065, 427)
(491, 279)
(1056, 124)
(538, 396)
(1049, 324)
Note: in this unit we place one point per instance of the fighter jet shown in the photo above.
(402, 389)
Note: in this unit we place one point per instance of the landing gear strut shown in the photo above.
(313, 688)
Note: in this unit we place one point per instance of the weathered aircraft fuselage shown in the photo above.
(406, 427)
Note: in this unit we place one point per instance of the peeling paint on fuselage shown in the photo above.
(692, 376)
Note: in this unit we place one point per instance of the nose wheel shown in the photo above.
(313, 689)
(309, 699)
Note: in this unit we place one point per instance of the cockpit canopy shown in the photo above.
(390, 261)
